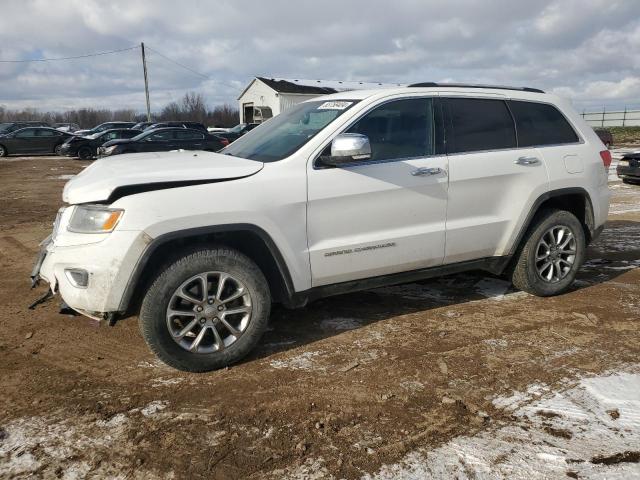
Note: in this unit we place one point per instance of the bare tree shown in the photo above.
(192, 107)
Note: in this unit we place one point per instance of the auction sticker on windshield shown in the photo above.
(334, 105)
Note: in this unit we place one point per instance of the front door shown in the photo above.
(387, 214)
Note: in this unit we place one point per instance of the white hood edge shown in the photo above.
(96, 182)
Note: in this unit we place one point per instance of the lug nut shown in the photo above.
(198, 309)
(202, 320)
(220, 308)
(210, 301)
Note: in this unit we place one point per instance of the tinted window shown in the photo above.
(399, 129)
(541, 124)
(46, 133)
(26, 132)
(128, 133)
(161, 136)
(479, 124)
(189, 135)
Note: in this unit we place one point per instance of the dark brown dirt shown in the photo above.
(343, 386)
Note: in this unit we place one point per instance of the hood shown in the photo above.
(140, 172)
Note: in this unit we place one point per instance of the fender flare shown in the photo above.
(144, 261)
(588, 214)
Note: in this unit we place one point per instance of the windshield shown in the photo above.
(238, 128)
(5, 126)
(284, 134)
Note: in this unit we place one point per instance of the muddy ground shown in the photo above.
(340, 388)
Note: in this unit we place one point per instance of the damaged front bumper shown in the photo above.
(106, 266)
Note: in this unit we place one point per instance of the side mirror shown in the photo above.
(347, 148)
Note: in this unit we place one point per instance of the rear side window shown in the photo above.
(540, 124)
(479, 124)
(189, 135)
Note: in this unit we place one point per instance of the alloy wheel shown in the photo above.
(209, 312)
(555, 254)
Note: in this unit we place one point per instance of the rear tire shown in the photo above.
(85, 153)
(553, 251)
(3, 151)
(216, 329)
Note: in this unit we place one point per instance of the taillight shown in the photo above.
(225, 142)
(605, 155)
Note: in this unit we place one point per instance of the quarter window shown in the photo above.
(399, 129)
(479, 124)
(541, 124)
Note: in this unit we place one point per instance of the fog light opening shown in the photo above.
(78, 277)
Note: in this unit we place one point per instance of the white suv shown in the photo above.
(345, 192)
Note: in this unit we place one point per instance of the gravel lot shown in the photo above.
(455, 376)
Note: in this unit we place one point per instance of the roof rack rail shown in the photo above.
(468, 85)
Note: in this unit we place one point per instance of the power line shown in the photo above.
(97, 54)
(179, 64)
(195, 72)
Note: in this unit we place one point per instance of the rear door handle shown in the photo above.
(527, 161)
(427, 171)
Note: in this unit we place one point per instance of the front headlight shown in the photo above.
(110, 149)
(94, 219)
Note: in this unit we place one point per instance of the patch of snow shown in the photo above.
(586, 431)
(65, 177)
(165, 382)
(303, 361)
(153, 408)
(497, 289)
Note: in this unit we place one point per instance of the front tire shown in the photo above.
(3, 151)
(56, 149)
(206, 310)
(553, 251)
(85, 153)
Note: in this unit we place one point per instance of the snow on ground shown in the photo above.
(590, 430)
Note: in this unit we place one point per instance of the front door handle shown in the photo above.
(427, 171)
(527, 161)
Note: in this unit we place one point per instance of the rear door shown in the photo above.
(492, 181)
(160, 141)
(189, 139)
(25, 141)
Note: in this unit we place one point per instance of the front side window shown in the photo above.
(286, 133)
(541, 124)
(188, 135)
(479, 124)
(399, 129)
(160, 136)
(46, 133)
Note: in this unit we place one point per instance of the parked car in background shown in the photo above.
(9, 127)
(142, 125)
(605, 135)
(237, 131)
(32, 140)
(193, 125)
(163, 140)
(105, 126)
(628, 168)
(66, 127)
(87, 147)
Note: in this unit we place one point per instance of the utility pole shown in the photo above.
(146, 81)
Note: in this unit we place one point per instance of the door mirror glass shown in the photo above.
(347, 148)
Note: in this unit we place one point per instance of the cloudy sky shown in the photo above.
(588, 50)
